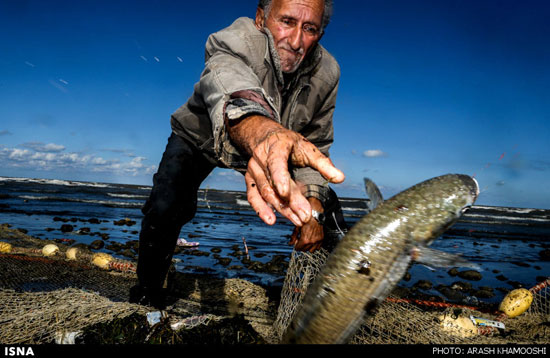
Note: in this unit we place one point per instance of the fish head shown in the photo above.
(472, 184)
(444, 200)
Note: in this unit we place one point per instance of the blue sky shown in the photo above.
(427, 88)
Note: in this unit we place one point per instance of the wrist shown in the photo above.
(249, 132)
(317, 210)
(319, 216)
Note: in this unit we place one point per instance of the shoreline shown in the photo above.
(240, 193)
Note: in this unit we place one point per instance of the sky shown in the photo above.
(427, 88)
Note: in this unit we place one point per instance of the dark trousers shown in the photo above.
(173, 202)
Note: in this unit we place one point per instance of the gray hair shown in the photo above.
(327, 13)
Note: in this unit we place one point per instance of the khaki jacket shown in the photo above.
(242, 58)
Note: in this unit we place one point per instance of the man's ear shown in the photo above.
(259, 22)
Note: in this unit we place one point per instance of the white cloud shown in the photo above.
(51, 157)
(41, 147)
(99, 161)
(229, 173)
(372, 153)
(18, 154)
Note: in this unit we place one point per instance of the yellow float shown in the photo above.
(102, 260)
(50, 250)
(516, 302)
(460, 326)
(71, 253)
(5, 248)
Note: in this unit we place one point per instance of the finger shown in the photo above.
(307, 154)
(298, 202)
(268, 195)
(259, 205)
(285, 187)
(306, 243)
(303, 246)
(316, 247)
(277, 167)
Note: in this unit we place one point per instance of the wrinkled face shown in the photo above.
(296, 28)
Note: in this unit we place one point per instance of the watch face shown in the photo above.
(320, 217)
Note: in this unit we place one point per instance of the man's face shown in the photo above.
(296, 28)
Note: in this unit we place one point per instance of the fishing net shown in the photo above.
(302, 269)
(48, 297)
(410, 321)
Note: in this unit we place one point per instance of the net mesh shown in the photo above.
(37, 317)
(406, 321)
(50, 299)
(54, 299)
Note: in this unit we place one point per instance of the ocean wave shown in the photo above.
(506, 209)
(245, 203)
(500, 218)
(345, 208)
(241, 202)
(85, 201)
(128, 196)
(55, 182)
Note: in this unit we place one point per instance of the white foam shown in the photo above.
(505, 209)
(56, 182)
(86, 201)
(127, 196)
(493, 218)
(354, 209)
(242, 202)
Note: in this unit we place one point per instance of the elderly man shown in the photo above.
(263, 106)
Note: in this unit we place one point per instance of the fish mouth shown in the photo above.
(477, 186)
(472, 184)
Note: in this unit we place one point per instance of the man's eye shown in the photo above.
(311, 30)
(287, 22)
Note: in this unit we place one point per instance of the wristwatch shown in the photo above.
(320, 217)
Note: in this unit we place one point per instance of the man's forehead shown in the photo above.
(289, 7)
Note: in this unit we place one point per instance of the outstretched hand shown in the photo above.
(268, 181)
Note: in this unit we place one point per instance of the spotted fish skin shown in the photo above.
(373, 257)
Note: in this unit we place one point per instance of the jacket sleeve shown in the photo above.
(228, 70)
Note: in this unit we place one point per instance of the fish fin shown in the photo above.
(435, 258)
(375, 197)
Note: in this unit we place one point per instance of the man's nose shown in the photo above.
(295, 39)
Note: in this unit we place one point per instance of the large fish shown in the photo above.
(375, 254)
